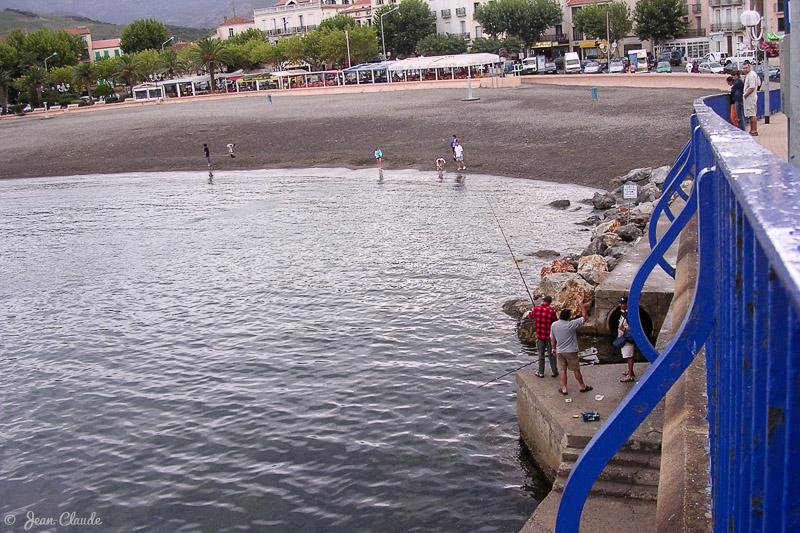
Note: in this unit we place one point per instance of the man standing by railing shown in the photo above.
(564, 336)
(751, 84)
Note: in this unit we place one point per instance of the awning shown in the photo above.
(549, 44)
(593, 44)
(450, 61)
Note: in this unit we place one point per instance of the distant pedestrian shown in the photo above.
(627, 348)
(207, 154)
(231, 146)
(458, 150)
(440, 163)
(543, 317)
(737, 95)
(564, 336)
(751, 83)
(378, 156)
(453, 143)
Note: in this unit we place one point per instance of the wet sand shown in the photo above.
(550, 133)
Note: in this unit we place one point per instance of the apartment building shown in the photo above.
(233, 26)
(290, 17)
(456, 17)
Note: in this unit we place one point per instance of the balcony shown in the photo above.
(576, 35)
(727, 26)
(290, 30)
(560, 38)
(283, 9)
(694, 32)
(461, 11)
(446, 14)
(464, 36)
(697, 8)
(723, 3)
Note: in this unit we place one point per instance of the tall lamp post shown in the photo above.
(347, 38)
(165, 42)
(750, 20)
(383, 39)
(45, 69)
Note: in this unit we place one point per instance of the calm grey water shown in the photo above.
(273, 351)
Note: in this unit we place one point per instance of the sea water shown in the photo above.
(268, 350)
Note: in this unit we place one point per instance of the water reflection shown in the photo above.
(268, 350)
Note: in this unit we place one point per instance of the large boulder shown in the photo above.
(606, 227)
(566, 290)
(618, 251)
(612, 262)
(593, 268)
(557, 266)
(559, 204)
(595, 278)
(596, 247)
(643, 209)
(659, 175)
(637, 174)
(610, 239)
(604, 200)
(544, 254)
(526, 331)
(517, 307)
(590, 222)
(611, 213)
(628, 233)
(648, 193)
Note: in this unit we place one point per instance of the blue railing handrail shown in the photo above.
(747, 203)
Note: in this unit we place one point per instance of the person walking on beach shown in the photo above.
(627, 348)
(543, 317)
(378, 156)
(458, 150)
(440, 163)
(751, 83)
(230, 150)
(453, 143)
(564, 336)
(207, 154)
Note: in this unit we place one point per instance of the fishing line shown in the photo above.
(488, 382)
(503, 233)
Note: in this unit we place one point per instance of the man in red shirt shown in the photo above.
(543, 316)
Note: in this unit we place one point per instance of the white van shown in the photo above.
(572, 63)
(529, 65)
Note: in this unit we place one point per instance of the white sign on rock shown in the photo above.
(630, 191)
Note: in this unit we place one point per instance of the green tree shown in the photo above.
(143, 34)
(660, 20)
(250, 34)
(8, 56)
(33, 81)
(512, 45)
(591, 20)
(34, 47)
(148, 64)
(339, 22)
(208, 55)
(5, 83)
(127, 70)
(267, 53)
(105, 69)
(313, 49)
(85, 75)
(524, 19)
(294, 49)
(363, 43)
(167, 63)
(60, 76)
(241, 55)
(438, 44)
(405, 28)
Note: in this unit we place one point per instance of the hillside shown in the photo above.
(27, 21)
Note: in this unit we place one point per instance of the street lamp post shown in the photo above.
(165, 42)
(383, 39)
(45, 69)
(347, 38)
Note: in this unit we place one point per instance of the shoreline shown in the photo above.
(554, 134)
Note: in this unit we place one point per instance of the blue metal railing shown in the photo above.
(745, 312)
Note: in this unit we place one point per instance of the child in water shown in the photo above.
(440, 163)
(378, 156)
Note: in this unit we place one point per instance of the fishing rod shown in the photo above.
(488, 382)
(503, 233)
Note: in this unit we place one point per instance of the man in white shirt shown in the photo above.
(751, 83)
(564, 338)
(458, 150)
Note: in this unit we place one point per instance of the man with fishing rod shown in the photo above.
(564, 336)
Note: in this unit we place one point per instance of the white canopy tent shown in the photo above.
(443, 64)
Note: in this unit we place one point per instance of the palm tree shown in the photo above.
(85, 75)
(167, 63)
(207, 55)
(33, 80)
(127, 68)
(5, 83)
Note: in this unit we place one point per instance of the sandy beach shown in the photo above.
(542, 132)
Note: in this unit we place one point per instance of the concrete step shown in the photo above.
(642, 457)
(611, 489)
(636, 475)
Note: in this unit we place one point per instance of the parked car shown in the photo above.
(550, 68)
(774, 73)
(730, 66)
(711, 67)
(617, 65)
(663, 66)
(719, 57)
(572, 63)
(559, 63)
(741, 56)
(592, 67)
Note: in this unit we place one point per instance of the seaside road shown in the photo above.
(550, 133)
